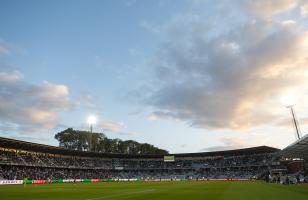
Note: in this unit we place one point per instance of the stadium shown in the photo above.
(153, 99)
(144, 176)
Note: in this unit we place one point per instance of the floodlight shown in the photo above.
(288, 100)
(91, 120)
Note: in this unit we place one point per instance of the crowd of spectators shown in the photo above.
(34, 165)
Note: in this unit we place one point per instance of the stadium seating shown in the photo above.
(18, 164)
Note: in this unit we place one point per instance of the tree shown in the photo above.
(79, 140)
(98, 142)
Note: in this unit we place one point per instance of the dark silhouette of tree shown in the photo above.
(98, 142)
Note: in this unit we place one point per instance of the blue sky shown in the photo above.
(186, 76)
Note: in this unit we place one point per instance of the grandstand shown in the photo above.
(20, 159)
(298, 149)
(221, 174)
(296, 155)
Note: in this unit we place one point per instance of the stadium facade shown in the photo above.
(20, 160)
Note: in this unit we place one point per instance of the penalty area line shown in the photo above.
(117, 195)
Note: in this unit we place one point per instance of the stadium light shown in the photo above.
(295, 122)
(91, 122)
(289, 101)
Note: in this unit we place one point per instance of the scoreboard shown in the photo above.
(169, 158)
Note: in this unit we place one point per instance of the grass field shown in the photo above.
(156, 190)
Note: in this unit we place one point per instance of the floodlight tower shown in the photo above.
(295, 121)
(91, 122)
(289, 101)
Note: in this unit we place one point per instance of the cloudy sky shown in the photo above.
(186, 76)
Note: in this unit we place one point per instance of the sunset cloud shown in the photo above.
(304, 10)
(116, 127)
(29, 105)
(271, 7)
(233, 79)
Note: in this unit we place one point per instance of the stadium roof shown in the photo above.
(42, 148)
(298, 149)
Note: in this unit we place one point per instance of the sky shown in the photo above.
(185, 76)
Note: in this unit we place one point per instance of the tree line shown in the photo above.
(98, 142)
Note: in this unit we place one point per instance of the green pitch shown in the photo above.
(156, 190)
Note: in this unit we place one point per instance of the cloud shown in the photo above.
(253, 138)
(12, 76)
(128, 133)
(116, 127)
(231, 79)
(161, 115)
(5, 48)
(30, 106)
(87, 101)
(112, 126)
(304, 10)
(150, 27)
(152, 117)
(229, 143)
(271, 7)
(288, 22)
(288, 122)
